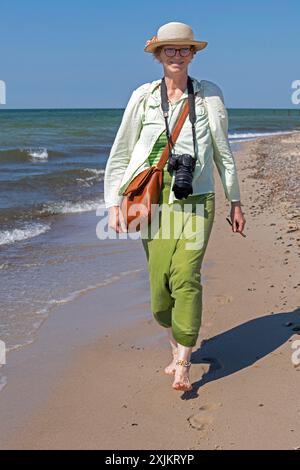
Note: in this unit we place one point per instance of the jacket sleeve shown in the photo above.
(121, 150)
(223, 156)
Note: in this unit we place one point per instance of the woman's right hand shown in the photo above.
(115, 220)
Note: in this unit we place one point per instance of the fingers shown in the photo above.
(116, 221)
(113, 221)
(242, 225)
(122, 225)
(238, 225)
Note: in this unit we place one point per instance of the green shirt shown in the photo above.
(158, 149)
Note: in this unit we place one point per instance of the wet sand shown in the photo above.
(85, 386)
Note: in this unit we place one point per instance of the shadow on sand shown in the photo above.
(243, 345)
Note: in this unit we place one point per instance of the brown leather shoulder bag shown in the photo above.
(142, 195)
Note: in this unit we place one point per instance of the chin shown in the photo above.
(177, 69)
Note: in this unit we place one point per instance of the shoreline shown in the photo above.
(121, 365)
(67, 230)
(73, 232)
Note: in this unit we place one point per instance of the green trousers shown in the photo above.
(175, 243)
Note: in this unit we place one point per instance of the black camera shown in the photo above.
(184, 166)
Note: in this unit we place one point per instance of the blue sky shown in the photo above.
(89, 53)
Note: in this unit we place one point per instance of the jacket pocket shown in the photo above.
(152, 116)
(152, 112)
(200, 112)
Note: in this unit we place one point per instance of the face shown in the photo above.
(177, 63)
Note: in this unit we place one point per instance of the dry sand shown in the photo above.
(114, 394)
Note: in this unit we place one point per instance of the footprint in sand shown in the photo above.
(223, 299)
(201, 423)
(204, 418)
(210, 407)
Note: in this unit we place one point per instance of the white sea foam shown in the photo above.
(19, 234)
(16, 347)
(42, 314)
(36, 228)
(73, 295)
(95, 171)
(39, 154)
(243, 137)
(95, 176)
(74, 207)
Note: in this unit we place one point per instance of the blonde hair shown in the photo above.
(157, 51)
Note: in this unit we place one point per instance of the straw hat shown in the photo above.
(174, 33)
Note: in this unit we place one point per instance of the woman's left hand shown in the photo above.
(237, 217)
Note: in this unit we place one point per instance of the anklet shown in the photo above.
(181, 362)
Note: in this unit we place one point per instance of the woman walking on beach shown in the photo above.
(175, 268)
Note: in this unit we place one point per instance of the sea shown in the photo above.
(52, 164)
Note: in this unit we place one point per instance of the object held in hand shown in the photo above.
(229, 221)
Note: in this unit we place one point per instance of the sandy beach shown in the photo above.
(94, 381)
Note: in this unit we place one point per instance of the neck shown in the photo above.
(174, 82)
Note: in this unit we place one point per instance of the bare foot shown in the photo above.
(182, 380)
(170, 369)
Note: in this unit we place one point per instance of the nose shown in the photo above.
(177, 52)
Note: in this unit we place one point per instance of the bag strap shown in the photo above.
(180, 121)
(192, 110)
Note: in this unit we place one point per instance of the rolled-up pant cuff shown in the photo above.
(163, 317)
(185, 340)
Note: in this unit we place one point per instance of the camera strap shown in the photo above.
(192, 110)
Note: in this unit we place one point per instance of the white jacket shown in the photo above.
(143, 122)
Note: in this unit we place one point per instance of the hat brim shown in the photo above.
(197, 44)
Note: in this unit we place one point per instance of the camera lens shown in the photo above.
(185, 165)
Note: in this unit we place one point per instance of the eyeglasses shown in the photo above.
(171, 51)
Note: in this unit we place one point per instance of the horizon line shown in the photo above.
(116, 108)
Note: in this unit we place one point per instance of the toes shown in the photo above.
(182, 386)
(182, 383)
(176, 386)
(169, 371)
